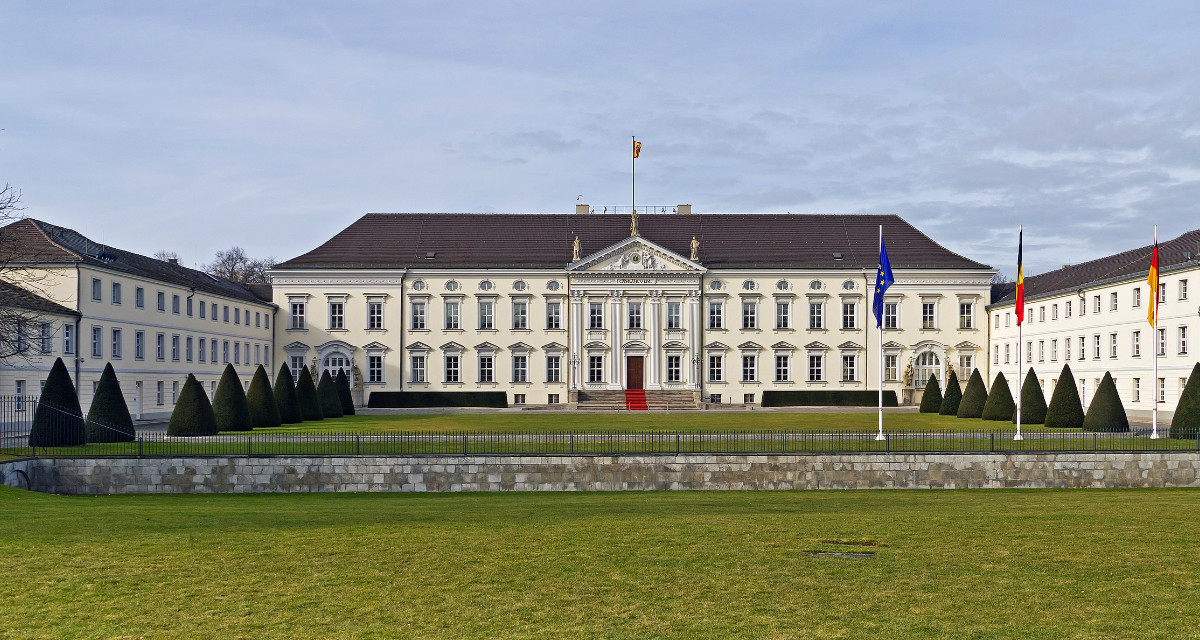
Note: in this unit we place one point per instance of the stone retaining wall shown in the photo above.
(601, 473)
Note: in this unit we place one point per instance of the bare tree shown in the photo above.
(21, 283)
(166, 256)
(1000, 278)
(235, 265)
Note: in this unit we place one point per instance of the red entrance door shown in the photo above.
(633, 377)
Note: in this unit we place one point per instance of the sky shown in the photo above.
(196, 126)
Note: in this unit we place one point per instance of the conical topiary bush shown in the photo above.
(229, 403)
(58, 420)
(999, 405)
(1033, 401)
(260, 401)
(108, 418)
(974, 397)
(193, 414)
(306, 394)
(331, 405)
(953, 396)
(1065, 410)
(1185, 423)
(1106, 413)
(931, 399)
(343, 388)
(285, 397)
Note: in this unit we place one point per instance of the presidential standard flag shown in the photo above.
(883, 280)
(637, 148)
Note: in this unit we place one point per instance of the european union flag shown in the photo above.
(883, 280)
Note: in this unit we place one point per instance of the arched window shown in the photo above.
(928, 364)
(334, 363)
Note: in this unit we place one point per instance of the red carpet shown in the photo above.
(635, 400)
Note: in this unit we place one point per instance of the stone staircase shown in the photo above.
(673, 400)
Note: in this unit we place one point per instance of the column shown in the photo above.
(695, 351)
(654, 356)
(617, 365)
(575, 326)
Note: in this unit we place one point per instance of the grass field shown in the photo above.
(961, 564)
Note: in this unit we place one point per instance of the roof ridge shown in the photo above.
(37, 224)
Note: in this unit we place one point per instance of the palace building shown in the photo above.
(689, 308)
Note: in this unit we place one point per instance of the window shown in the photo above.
(158, 396)
(213, 307)
(337, 316)
(417, 367)
(1082, 348)
(634, 312)
(714, 315)
(996, 355)
(1007, 320)
(1112, 304)
(1162, 342)
(674, 368)
(45, 337)
(212, 345)
(966, 315)
(674, 315)
(1096, 304)
(139, 297)
(1137, 297)
(997, 321)
(452, 307)
(452, 373)
(175, 304)
(1067, 308)
(1137, 389)
(891, 369)
(816, 314)
(297, 314)
(175, 347)
(225, 352)
(520, 365)
(1162, 390)
(487, 316)
(1135, 348)
(1007, 354)
(554, 368)
(1183, 341)
(1082, 306)
(374, 316)
(783, 314)
(552, 398)
(418, 316)
(202, 348)
(266, 321)
(189, 307)
(237, 316)
(1183, 289)
(595, 315)
(1054, 312)
(297, 362)
(928, 315)
(1054, 351)
(749, 368)
(139, 345)
(68, 339)
(174, 392)
(595, 368)
(487, 368)
(1041, 350)
(716, 368)
(520, 313)
(257, 354)
(1112, 345)
(554, 315)
(1029, 351)
(1066, 348)
(966, 363)
(258, 318)
(162, 302)
(116, 344)
(518, 398)
(782, 368)
(816, 368)
(1096, 347)
(116, 293)
(374, 368)
(188, 351)
(97, 341)
(20, 399)
(1042, 314)
(891, 317)
(96, 289)
(849, 368)
(1162, 292)
(849, 315)
(225, 314)
(749, 314)
(203, 310)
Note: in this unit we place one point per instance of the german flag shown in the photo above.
(1152, 280)
(1020, 278)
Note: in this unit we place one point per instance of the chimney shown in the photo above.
(174, 261)
(684, 209)
(582, 209)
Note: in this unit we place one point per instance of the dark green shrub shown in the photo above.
(999, 405)
(1033, 401)
(285, 397)
(343, 389)
(331, 405)
(108, 418)
(1106, 413)
(953, 396)
(821, 398)
(931, 399)
(193, 414)
(1065, 410)
(974, 397)
(58, 420)
(494, 399)
(261, 401)
(1186, 421)
(229, 403)
(306, 394)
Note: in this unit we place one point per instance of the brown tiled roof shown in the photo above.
(1121, 266)
(30, 240)
(544, 240)
(15, 297)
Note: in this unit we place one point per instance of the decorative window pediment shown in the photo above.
(749, 346)
(452, 347)
(486, 346)
(783, 346)
(376, 346)
(675, 345)
(418, 346)
(850, 346)
(520, 347)
(715, 346)
(596, 345)
(967, 346)
(553, 347)
(816, 346)
(296, 346)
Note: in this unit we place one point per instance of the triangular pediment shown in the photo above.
(375, 346)
(635, 255)
(418, 346)
(892, 344)
(486, 346)
(520, 346)
(452, 346)
(749, 346)
(967, 346)
(296, 346)
(849, 346)
(816, 345)
(553, 346)
(715, 346)
(782, 345)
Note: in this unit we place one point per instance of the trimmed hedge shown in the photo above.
(229, 403)
(331, 405)
(1065, 410)
(952, 397)
(1106, 413)
(343, 389)
(1033, 401)
(261, 401)
(1186, 421)
(285, 397)
(999, 405)
(974, 397)
(306, 395)
(193, 414)
(108, 418)
(931, 399)
(58, 421)
(419, 399)
(832, 398)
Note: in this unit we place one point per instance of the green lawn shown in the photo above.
(961, 564)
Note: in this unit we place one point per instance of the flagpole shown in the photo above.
(1020, 331)
(879, 323)
(1154, 327)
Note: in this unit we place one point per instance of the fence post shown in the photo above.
(1095, 442)
(357, 444)
(992, 443)
(139, 440)
(464, 438)
(248, 445)
(677, 444)
(572, 443)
